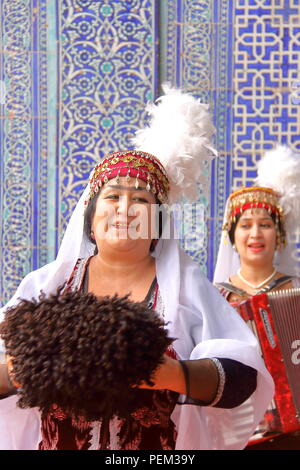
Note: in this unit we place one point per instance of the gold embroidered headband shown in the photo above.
(252, 198)
(131, 164)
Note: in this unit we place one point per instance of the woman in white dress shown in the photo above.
(254, 256)
(216, 367)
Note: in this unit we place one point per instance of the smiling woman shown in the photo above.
(120, 228)
(123, 212)
(256, 221)
(253, 262)
(111, 247)
(255, 229)
(255, 241)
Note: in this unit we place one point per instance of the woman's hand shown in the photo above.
(169, 375)
(10, 370)
(203, 378)
(6, 386)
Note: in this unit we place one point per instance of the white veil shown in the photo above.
(228, 260)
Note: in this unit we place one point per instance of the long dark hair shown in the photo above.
(88, 217)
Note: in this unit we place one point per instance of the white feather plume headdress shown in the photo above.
(279, 169)
(180, 136)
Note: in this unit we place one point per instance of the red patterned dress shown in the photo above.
(148, 428)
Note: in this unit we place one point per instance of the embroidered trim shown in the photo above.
(77, 276)
(95, 435)
(155, 296)
(131, 163)
(222, 380)
(159, 304)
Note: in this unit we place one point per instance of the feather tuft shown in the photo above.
(180, 136)
(279, 170)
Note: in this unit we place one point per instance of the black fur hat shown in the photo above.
(85, 354)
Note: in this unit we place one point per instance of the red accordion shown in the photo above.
(275, 319)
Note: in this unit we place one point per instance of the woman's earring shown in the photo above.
(92, 235)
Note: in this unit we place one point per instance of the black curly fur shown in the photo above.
(83, 353)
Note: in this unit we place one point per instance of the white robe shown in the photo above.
(206, 326)
(203, 322)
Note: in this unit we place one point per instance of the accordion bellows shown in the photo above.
(275, 319)
(84, 354)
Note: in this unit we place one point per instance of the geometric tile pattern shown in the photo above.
(24, 144)
(266, 66)
(107, 68)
